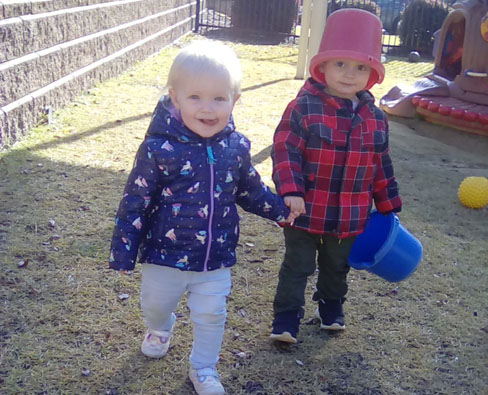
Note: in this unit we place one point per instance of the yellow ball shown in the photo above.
(473, 192)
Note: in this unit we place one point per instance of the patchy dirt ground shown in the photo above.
(69, 325)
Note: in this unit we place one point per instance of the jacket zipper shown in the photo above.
(348, 155)
(210, 161)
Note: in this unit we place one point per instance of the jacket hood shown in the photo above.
(166, 121)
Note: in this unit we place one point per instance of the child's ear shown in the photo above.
(174, 100)
(236, 98)
(322, 67)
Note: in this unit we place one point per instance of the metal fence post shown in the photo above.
(197, 18)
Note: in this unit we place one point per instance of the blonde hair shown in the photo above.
(206, 57)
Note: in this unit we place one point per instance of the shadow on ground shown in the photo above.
(71, 325)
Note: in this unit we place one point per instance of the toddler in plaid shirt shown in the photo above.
(330, 162)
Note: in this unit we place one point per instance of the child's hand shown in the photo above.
(388, 213)
(296, 204)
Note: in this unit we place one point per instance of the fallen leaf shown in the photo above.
(252, 386)
(394, 291)
(22, 263)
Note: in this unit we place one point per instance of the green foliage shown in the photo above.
(419, 22)
(367, 5)
(276, 16)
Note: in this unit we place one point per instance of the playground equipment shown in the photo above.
(314, 15)
(456, 93)
(473, 192)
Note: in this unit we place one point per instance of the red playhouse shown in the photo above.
(456, 93)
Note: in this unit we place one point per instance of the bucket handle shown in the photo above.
(362, 265)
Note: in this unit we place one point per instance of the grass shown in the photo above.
(67, 330)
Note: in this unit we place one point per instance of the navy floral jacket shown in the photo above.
(335, 157)
(179, 204)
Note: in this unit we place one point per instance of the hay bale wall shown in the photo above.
(51, 50)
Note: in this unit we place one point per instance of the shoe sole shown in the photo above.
(333, 327)
(285, 337)
(153, 355)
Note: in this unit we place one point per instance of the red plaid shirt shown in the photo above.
(336, 158)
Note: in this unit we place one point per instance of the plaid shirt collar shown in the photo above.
(314, 88)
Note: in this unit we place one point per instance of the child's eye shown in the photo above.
(362, 67)
(340, 64)
(194, 97)
(221, 98)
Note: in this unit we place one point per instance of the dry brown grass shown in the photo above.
(64, 329)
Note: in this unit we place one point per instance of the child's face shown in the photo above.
(345, 77)
(205, 103)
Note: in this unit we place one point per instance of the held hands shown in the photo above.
(296, 204)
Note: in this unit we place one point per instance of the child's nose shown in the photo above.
(350, 71)
(207, 106)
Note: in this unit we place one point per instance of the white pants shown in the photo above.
(161, 290)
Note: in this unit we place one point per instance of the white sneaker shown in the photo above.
(206, 381)
(156, 343)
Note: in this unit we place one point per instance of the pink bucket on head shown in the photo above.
(351, 33)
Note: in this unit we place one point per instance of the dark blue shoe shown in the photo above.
(330, 314)
(286, 325)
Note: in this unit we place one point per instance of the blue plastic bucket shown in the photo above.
(386, 248)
